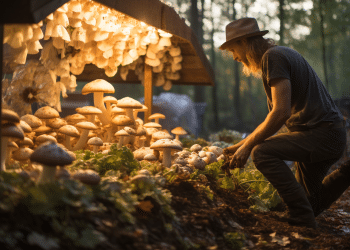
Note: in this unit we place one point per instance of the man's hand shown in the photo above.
(230, 150)
(240, 157)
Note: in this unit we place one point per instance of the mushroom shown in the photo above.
(149, 133)
(89, 112)
(152, 125)
(86, 127)
(178, 131)
(129, 105)
(69, 131)
(22, 154)
(8, 130)
(121, 133)
(140, 153)
(150, 157)
(166, 145)
(131, 133)
(45, 113)
(160, 135)
(44, 138)
(87, 176)
(32, 121)
(156, 117)
(98, 88)
(50, 155)
(216, 150)
(108, 100)
(9, 116)
(96, 142)
(75, 118)
(196, 148)
(121, 121)
(143, 109)
(197, 162)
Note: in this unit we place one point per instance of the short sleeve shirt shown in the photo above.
(311, 102)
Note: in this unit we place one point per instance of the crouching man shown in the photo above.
(297, 99)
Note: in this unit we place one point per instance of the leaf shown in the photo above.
(90, 238)
(146, 206)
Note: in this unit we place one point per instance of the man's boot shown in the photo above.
(300, 212)
(333, 186)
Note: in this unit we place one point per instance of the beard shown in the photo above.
(251, 68)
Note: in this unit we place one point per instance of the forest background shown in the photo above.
(318, 29)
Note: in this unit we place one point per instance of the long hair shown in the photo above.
(256, 47)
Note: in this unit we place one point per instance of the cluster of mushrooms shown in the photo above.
(83, 31)
(47, 139)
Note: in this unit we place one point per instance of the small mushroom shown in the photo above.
(178, 131)
(96, 142)
(121, 133)
(166, 145)
(87, 176)
(156, 117)
(50, 155)
(196, 148)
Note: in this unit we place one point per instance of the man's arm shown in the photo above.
(281, 111)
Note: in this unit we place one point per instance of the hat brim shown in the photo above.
(229, 42)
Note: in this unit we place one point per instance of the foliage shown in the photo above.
(117, 159)
(187, 142)
(235, 239)
(228, 136)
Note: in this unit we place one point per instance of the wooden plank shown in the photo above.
(192, 62)
(148, 91)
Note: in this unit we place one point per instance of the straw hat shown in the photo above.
(241, 28)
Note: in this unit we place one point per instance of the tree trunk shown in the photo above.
(236, 88)
(322, 2)
(281, 17)
(214, 92)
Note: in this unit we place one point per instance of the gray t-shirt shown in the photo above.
(311, 102)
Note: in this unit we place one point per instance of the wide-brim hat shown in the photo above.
(241, 28)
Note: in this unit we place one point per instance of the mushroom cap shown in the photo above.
(98, 85)
(156, 115)
(42, 129)
(196, 148)
(179, 131)
(121, 132)
(122, 120)
(22, 154)
(87, 176)
(165, 143)
(88, 110)
(96, 141)
(150, 131)
(140, 153)
(130, 131)
(25, 126)
(12, 144)
(56, 123)
(46, 113)
(75, 118)
(12, 130)
(128, 102)
(110, 99)
(26, 142)
(143, 109)
(116, 110)
(9, 116)
(51, 154)
(45, 138)
(140, 131)
(33, 121)
(161, 135)
(69, 130)
(152, 125)
(86, 125)
(150, 157)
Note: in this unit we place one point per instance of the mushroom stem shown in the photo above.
(177, 137)
(95, 148)
(109, 134)
(120, 142)
(167, 157)
(67, 143)
(4, 141)
(108, 105)
(98, 102)
(82, 140)
(141, 143)
(91, 118)
(130, 113)
(47, 175)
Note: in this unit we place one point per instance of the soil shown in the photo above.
(203, 223)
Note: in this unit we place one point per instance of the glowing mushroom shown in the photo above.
(166, 145)
(98, 88)
(178, 131)
(129, 104)
(86, 127)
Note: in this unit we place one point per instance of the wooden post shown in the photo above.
(148, 91)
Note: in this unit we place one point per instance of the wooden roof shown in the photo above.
(196, 69)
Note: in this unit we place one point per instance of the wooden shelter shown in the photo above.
(196, 69)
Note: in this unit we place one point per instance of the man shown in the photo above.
(296, 98)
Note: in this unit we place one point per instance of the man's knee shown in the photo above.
(258, 153)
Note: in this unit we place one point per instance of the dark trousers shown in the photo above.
(314, 152)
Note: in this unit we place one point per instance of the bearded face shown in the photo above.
(250, 67)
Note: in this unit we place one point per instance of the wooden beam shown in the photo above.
(148, 90)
